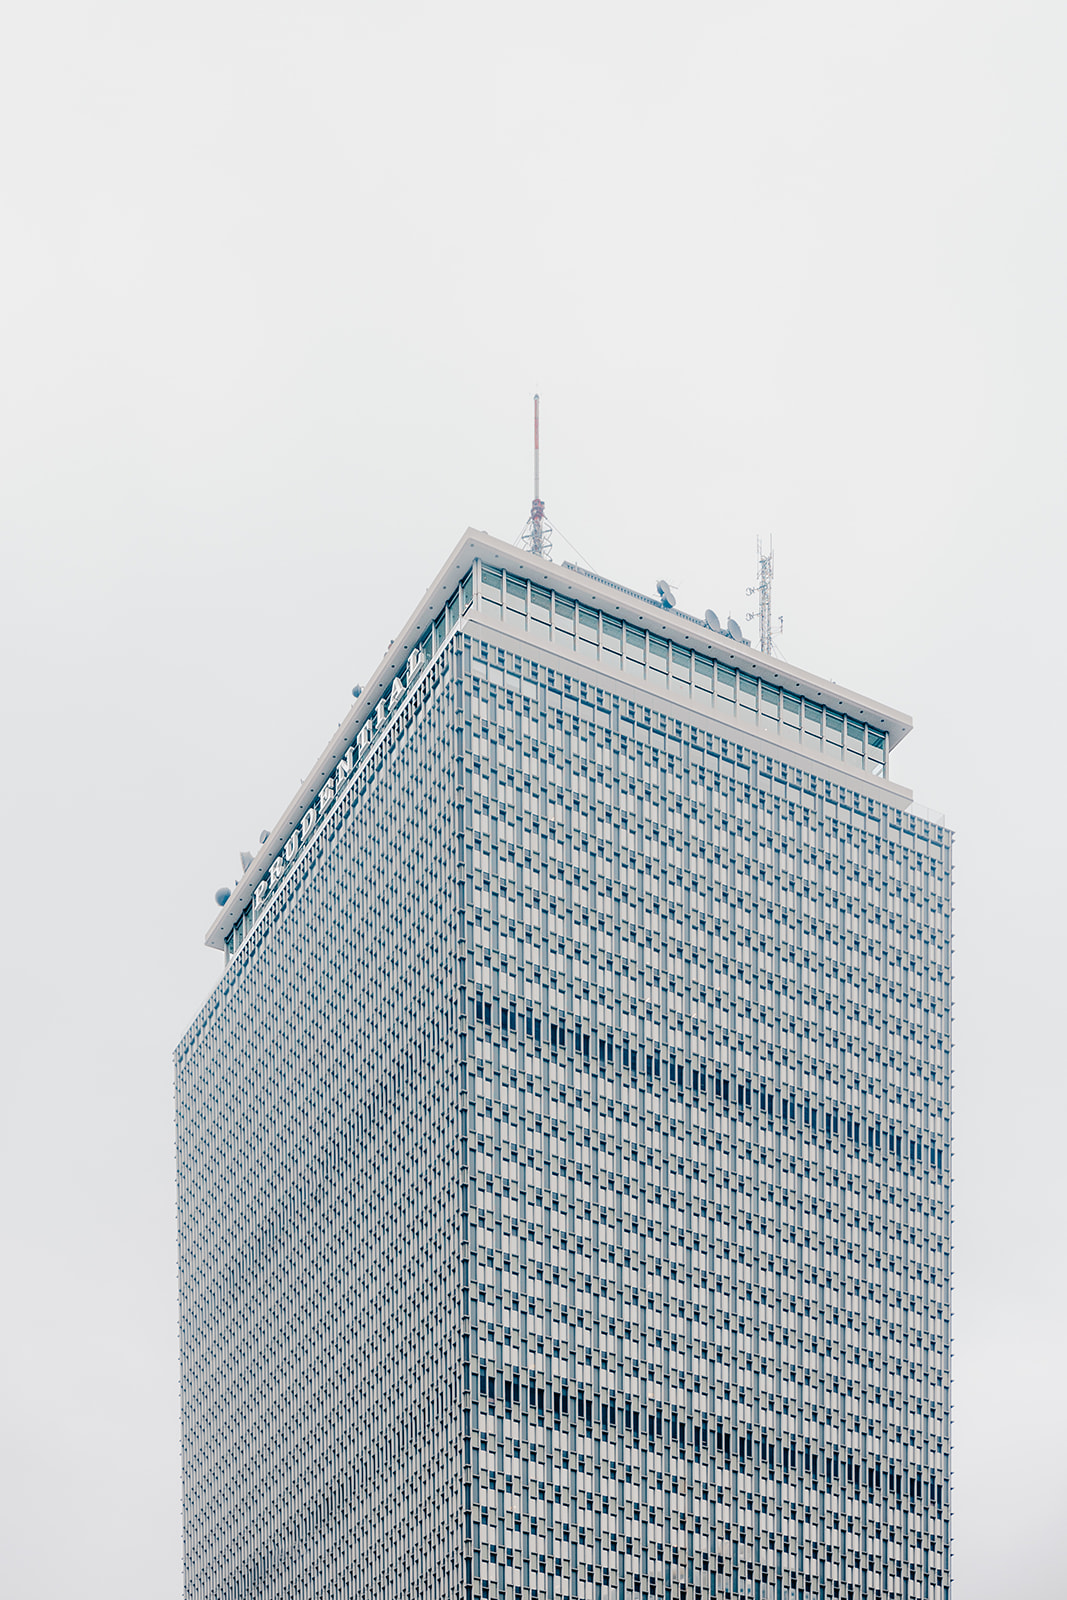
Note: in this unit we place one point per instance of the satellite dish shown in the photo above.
(666, 594)
(221, 896)
(712, 620)
(246, 860)
(734, 630)
(264, 836)
(357, 691)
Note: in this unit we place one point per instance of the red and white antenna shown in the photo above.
(537, 534)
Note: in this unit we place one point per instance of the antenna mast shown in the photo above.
(537, 534)
(762, 587)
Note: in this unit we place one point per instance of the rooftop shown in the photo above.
(585, 588)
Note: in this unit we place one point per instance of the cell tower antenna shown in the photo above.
(537, 534)
(762, 587)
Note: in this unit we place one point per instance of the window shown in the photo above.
(540, 611)
(491, 586)
(588, 632)
(635, 651)
(854, 744)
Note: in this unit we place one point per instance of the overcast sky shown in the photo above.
(277, 285)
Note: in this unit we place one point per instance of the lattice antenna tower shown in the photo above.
(537, 534)
(768, 632)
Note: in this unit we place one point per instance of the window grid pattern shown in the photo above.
(319, 1224)
(564, 1174)
(673, 669)
(707, 1001)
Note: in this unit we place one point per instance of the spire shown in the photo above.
(537, 534)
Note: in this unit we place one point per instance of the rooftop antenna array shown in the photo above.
(762, 587)
(537, 534)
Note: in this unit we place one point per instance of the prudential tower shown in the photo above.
(563, 1153)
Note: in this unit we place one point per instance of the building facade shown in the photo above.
(563, 1155)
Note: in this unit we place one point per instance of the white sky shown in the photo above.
(277, 284)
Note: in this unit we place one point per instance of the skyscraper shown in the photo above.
(563, 1154)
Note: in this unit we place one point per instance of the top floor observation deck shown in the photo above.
(602, 628)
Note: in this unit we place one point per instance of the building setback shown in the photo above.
(563, 1154)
